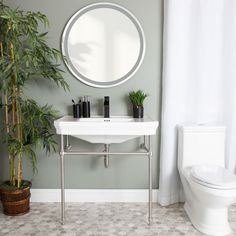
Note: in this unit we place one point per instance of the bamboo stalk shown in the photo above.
(5, 99)
(13, 86)
(14, 172)
(19, 170)
(12, 58)
(18, 121)
(6, 113)
(19, 136)
(1, 49)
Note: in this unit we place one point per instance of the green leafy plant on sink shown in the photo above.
(137, 98)
(25, 56)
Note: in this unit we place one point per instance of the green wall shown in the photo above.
(89, 172)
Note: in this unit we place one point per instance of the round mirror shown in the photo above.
(103, 45)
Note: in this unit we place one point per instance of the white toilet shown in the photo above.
(209, 188)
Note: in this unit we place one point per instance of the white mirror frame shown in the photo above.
(89, 81)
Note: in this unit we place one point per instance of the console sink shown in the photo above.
(116, 129)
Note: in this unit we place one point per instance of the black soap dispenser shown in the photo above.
(80, 106)
(86, 107)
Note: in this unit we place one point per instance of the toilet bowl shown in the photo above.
(209, 188)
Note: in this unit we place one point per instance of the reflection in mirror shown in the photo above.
(103, 44)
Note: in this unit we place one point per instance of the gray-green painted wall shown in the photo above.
(89, 172)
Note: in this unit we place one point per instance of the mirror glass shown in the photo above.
(103, 45)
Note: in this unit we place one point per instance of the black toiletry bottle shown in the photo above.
(86, 107)
(76, 111)
(80, 106)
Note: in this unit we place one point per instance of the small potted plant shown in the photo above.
(24, 56)
(137, 99)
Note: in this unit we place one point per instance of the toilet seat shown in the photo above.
(213, 176)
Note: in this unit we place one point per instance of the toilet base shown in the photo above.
(209, 221)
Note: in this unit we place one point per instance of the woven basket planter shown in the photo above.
(16, 202)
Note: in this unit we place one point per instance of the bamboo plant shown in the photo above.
(25, 56)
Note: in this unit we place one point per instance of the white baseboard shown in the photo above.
(93, 195)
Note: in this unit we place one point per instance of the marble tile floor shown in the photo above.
(102, 219)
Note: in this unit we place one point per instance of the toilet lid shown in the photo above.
(214, 175)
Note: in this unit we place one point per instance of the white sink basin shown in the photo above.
(116, 129)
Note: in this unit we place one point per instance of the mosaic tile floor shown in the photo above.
(102, 219)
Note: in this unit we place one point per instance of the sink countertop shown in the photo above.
(64, 124)
(105, 130)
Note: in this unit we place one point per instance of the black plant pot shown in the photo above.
(138, 111)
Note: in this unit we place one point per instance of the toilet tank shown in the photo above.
(199, 145)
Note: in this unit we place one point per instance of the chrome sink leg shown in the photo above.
(62, 181)
(106, 157)
(67, 146)
(149, 181)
